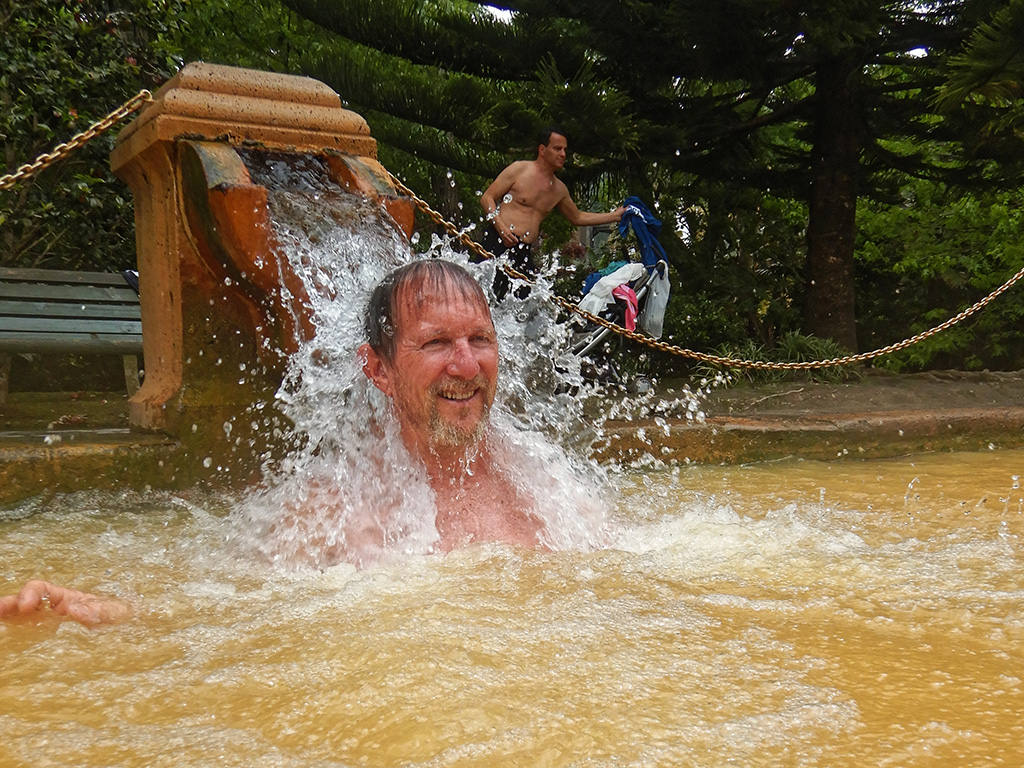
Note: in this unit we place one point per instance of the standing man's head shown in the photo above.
(433, 350)
(552, 147)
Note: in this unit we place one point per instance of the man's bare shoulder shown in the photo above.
(518, 168)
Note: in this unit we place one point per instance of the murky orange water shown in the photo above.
(790, 614)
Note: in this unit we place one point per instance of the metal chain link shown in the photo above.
(98, 128)
(144, 96)
(722, 362)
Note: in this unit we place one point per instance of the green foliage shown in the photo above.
(792, 347)
(989, 72)
(696, 320)
(256, 34)
(725, 101)
(707, 111)
(738, 258)
(991, 66)
(64, 65)
(924, 261)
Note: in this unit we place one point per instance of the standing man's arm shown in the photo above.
(489, 201)
(580, 218)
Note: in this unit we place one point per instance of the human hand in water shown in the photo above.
(80, 606)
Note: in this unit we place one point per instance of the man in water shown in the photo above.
(433, 352)
(521, 198)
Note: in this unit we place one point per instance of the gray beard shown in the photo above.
(443, 433)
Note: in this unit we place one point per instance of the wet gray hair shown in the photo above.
(443, 276)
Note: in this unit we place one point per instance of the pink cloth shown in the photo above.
(626, 293)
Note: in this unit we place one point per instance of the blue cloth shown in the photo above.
(646, 228)
(593, 277)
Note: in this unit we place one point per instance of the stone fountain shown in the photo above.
(215, 299)
(220, 308)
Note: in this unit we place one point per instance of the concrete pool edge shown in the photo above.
(745, 439)
(41, 462)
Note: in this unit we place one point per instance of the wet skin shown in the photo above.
(442, 382)
(535, 192)
(83, 607)
(444, 372)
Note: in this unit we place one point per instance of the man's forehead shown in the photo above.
(419, 297)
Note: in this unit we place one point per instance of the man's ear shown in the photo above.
(376, 370)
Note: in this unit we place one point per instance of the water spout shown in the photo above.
(217, 297)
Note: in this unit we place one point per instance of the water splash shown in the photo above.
(349, 490)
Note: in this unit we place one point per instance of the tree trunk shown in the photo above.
(835, 166)
(446, 195)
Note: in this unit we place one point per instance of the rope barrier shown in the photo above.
(716, 360)
(98, 128)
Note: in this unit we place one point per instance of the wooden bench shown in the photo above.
(43, 310)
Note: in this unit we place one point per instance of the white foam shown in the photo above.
(349, 476)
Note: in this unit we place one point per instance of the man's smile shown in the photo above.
(458, 394)
(458, 397)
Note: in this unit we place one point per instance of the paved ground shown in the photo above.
(72, 440)
(877, 415)
(875, 393)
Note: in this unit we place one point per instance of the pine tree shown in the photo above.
(822, 102)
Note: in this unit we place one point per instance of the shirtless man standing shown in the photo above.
(433, 351)
(521, 198)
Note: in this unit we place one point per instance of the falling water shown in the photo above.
(350, 465)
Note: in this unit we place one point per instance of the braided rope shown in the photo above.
(722, 362)
(98, 128)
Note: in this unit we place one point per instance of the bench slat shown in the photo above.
(87, 293)
(14, 274)
(61, 326)
(59, 311)
(80, 343)
(62, 309)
